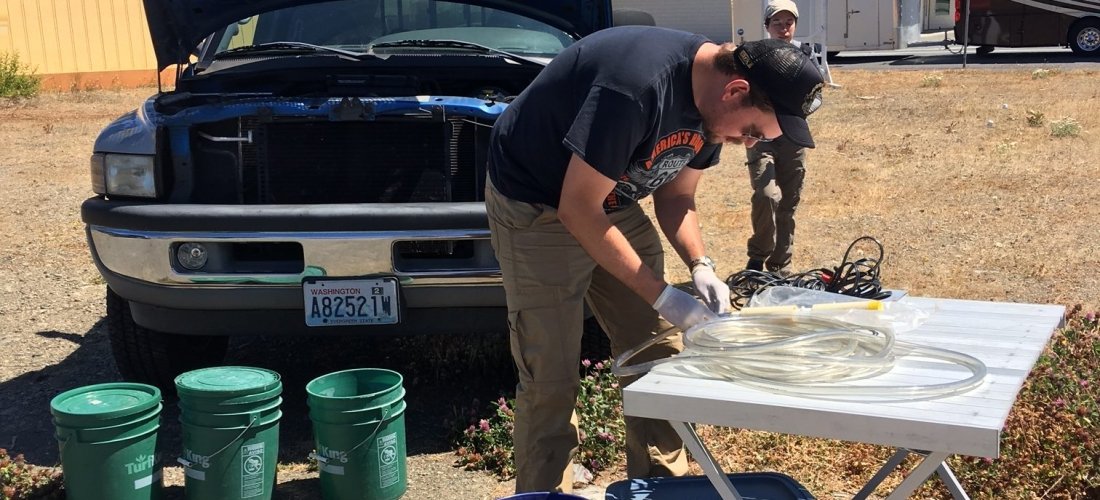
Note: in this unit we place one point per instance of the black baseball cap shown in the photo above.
(791, 81)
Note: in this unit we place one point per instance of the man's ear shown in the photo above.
(734, 88)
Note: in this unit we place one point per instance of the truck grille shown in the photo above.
(396, 161)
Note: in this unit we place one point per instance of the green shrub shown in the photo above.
(1066, 127)
(1005, 148)
(16, 79)
(1041, 73)
(933, 81)
(20, 480)
(600, 413)
(485, 442)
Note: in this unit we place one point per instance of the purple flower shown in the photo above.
(586, 363)
(599, 366)
(484, 424)
(1058, 403)
(1083, 383)
(1090, 316)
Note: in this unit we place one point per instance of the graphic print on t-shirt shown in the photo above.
(670, 154)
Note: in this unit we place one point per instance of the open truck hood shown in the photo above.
(177, 26)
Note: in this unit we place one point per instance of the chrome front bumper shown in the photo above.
(133, 245)
(148, 256)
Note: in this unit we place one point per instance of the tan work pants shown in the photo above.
(776, 172)
(547, 279)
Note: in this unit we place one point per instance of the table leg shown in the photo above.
(929, 464)
(949, 480)
(886, 469)
(717, 478)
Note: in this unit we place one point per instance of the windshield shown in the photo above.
(354, 25)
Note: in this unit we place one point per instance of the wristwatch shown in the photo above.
(702, 261)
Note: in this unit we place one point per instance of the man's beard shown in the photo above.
(709, 135)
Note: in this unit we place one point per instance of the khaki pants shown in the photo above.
(547, 279)
(776, 171)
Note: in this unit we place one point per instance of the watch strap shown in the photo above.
(702, 261)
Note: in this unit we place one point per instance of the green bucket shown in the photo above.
(359, 431)
(107, 434)
(229, 418)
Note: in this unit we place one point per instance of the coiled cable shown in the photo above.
(858, 278)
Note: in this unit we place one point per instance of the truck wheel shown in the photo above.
(1084, 37)
(595, 345)
(156, 358)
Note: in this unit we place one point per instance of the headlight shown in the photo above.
(130, 175)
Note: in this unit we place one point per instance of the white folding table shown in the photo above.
(1007, 337)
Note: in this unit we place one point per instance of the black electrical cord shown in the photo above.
(859, 278)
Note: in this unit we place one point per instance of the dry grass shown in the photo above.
(964, 210)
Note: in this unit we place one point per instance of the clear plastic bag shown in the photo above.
(898, 316)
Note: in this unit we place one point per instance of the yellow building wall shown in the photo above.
(80, 42)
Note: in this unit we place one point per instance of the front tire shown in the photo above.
(156, 358)
(1084, 37)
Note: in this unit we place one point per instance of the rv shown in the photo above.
(1029, 23)
(838, 25)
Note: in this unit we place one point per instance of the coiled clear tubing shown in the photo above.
(802, 355)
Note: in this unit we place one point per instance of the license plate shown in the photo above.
(339, 302)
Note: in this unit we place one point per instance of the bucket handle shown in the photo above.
(255, 418)
(65, 442)
(381, 421)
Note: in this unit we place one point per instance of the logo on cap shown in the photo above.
(813, 99)
(745, 59)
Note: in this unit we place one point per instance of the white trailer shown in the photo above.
(839, 25)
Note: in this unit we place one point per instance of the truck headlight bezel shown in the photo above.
(98, 172)
(117, 174)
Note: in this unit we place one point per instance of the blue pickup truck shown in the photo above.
(317, 169)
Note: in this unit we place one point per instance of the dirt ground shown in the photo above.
(968, 199)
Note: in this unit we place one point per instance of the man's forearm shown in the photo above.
(611, 250)
(674, 206)
(680, 223)
(581, 212)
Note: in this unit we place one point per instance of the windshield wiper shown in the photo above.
(455, 44)
(289, 46)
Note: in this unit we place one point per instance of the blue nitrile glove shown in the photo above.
(711, 289)
(681, 309)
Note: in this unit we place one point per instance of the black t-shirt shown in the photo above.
(619, 98)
